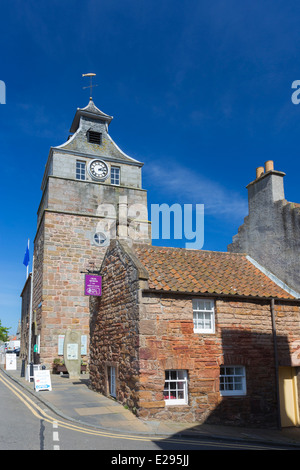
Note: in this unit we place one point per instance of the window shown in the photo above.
(175, 389)
(112, 381)
(204, 316)
(94, 137)
(101, 239)
(232, 380)
(115, 175)
(80, 170)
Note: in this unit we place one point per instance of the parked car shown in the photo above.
(13, 351)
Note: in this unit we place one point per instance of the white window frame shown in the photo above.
(176, 385)
(115, 175)
(232, 380)
(204, 316)
(80, 170)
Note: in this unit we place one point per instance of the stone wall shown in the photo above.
(25, 315)
(243, 337)
(288, 334)
(114, 329)
(66, 252)
(270, 233)
(64, 166)
(80, 197)
(65, 249)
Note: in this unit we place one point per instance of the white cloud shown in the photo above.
(190, 187)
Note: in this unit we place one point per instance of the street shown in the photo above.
(27, 424)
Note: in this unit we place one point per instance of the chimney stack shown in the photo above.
(266, 189)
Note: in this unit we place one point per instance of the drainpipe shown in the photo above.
(276, 363)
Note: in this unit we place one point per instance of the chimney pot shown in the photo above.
(269, 165)
(259, 171)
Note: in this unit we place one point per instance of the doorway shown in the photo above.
(289, 410)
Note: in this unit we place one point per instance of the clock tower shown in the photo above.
(92, 192)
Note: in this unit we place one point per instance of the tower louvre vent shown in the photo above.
(94, 137)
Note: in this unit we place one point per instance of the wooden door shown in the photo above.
(289, 411)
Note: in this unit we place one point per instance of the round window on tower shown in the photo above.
(101, 239)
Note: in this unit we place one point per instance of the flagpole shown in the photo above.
(30, 313)
(27, 267)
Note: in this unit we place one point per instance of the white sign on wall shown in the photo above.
(61, 339)
(72, 351)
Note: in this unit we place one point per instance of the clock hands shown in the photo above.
(98, 169)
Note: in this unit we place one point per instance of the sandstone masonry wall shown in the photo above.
(67, 254)
(114, 330)
(243, 336)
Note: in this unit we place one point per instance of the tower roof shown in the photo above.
(90, 111)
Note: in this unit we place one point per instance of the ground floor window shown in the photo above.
(232, 380)
(112, 381)
(176, 389)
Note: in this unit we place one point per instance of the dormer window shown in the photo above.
(94, 137)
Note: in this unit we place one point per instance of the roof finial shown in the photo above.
(91, 86)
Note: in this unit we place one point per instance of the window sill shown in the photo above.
(204, 332)
(175, 403)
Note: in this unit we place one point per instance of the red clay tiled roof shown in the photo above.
(181, 270)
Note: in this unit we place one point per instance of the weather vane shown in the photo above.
(91, 86)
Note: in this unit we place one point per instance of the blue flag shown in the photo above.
(26, 257)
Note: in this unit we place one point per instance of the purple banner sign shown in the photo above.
(93, 285)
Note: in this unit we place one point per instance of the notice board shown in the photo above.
(42, 380)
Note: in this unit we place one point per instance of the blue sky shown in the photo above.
(200, 91)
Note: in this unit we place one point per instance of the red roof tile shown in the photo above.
(182, 270)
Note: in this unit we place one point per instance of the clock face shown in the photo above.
(98, 170)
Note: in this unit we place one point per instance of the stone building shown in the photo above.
(271, 231)
(194, 335)
(88, 185)
(25, 316)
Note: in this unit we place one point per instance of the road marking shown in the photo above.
(39, 413)
(19, 395)
(55, 435)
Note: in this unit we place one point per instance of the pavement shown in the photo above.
(75, 401)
